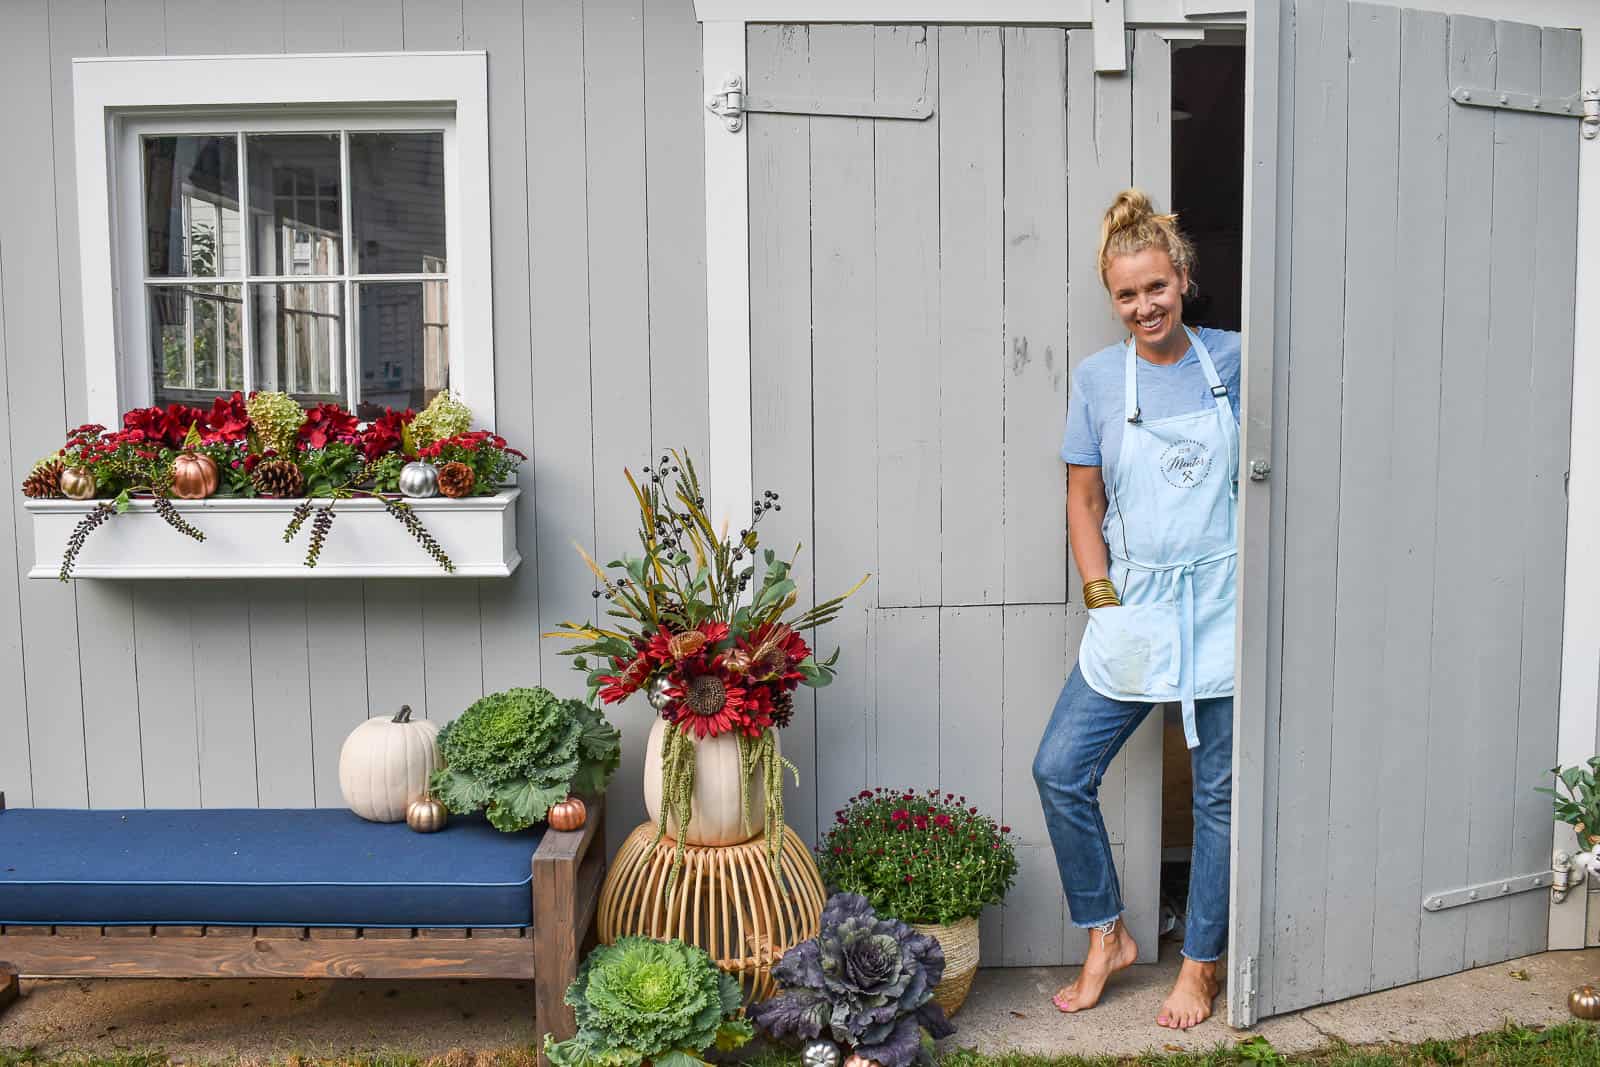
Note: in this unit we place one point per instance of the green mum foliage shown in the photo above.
(276, 419)
(638, 1000)
(445, 416)
(513, 754)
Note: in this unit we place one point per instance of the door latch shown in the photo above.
(1259, 469)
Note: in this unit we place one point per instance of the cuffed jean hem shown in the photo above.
(1199, 959)
(1092, 926)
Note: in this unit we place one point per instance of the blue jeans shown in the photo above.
(1084, 735)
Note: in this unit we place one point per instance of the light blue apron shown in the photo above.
(1172, 529)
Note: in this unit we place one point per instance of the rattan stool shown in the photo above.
(725, 901)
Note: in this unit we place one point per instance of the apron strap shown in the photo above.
(1130, 383)
(1219, 396)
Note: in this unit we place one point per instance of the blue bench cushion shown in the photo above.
(258, 867)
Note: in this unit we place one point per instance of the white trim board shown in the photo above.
(997, 12)
(107, 89)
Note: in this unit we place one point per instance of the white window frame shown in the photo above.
(118, 99)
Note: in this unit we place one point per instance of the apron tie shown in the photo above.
(1191, 734)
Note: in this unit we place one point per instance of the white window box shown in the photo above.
(244, 539)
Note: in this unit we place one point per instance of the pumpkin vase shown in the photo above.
(385, 764)
(959, 940)
(718, 817)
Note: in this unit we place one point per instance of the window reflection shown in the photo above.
(403, 338)
(197, 336)
(299, 339)
(397, 202)
(192, 206)
(294, 203)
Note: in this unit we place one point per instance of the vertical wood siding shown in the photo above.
(1425, 372)
(919, 293)
(240, 693)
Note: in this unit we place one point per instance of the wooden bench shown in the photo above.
(567, 869)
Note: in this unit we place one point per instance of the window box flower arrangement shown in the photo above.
(719, 666)
(928, 858)
(640, 1001)
(864, 983)
(246, 476)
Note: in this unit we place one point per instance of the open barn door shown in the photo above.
(1421, 376)
(924, 207)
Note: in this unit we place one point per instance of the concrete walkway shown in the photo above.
(259, 1020)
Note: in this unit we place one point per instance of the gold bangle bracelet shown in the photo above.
(1100, 593)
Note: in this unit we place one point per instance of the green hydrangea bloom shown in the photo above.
(639, 999)
(516, 753)
(276, 419)
(445, 416)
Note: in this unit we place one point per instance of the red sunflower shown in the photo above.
(628, 679)
(707, 704)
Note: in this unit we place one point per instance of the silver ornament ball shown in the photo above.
(656, 692)
(820, 1053)
(419, 480)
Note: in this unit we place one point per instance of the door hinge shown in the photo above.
(1496, 890)
(1584, 106)
(732, 103)
(1247, 994)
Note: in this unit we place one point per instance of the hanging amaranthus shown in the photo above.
(761, 753)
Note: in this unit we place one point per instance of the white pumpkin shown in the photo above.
(385, 764)
(716, 818)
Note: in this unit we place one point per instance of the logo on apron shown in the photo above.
(1185, 464)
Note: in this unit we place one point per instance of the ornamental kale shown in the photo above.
(518, 752)
(641, 1000)
(864, 982)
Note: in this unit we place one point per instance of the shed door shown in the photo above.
(919, 291)
(1422, 377)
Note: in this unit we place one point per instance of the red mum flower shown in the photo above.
(899, 814)
(1005, 829)
(921, 821)
(941, 820)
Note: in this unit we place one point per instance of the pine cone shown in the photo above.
(456, 479)
(782, 709)
(278, 477)
(44, 481)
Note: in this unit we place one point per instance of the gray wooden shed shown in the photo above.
(861, 277)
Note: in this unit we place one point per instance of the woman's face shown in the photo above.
(1147, 293)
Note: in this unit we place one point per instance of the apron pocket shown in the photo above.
(1130, 651)
(1213, 644)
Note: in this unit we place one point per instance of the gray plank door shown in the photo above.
(1422, 400)
(920, 291)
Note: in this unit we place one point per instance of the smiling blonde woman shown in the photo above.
(1152, 454)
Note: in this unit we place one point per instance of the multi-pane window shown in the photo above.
(308, 261)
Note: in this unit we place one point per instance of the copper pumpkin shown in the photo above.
(427, 815)
(568, 814)
(77, 484)
(194, 476)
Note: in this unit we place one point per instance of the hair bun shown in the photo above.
(1128, 210)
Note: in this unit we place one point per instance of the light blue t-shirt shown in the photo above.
(1095, 414)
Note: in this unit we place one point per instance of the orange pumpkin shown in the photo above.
(568, 814)
(194, 476)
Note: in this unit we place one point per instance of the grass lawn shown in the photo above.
(1569, 1045)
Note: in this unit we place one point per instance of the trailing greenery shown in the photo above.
(513, 754)
(640, 1000)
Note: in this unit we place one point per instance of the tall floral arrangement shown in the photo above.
(706, 625)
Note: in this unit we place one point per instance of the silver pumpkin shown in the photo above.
(656, 692)
(820, 1053)
(419, 479)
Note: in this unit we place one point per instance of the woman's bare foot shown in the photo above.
(1108, 954)
(1189, 1003)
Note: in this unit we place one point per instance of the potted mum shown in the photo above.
(864, 984)
(714, 642)
(928, 858)
(640, 1001)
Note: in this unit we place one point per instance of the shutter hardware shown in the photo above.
(732, 103)
(1584, 106)
(1496, 890)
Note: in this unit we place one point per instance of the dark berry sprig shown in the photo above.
(174, 518)
(407, 517)
(319, 534)
(302, 512)
(80, 533)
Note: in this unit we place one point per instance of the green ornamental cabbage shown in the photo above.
(662, 1001)
(515, 753)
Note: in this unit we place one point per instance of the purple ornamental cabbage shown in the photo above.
(865, 982)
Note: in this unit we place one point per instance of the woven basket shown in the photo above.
(960, 943)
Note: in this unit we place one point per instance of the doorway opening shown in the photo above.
(1208, 195)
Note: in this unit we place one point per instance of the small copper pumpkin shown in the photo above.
(427, 814)
(568, 814)
(1584, 1002)
(77, 484)
(194, 476)
(860, 1061)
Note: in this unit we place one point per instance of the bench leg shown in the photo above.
(9, 987)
